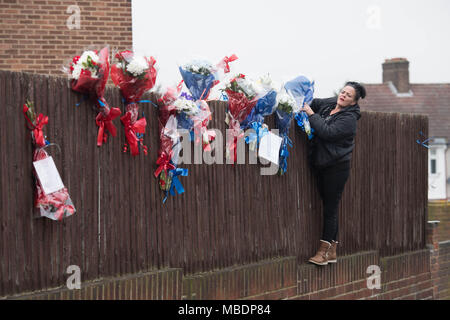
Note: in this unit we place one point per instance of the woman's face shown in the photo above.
(347, 96)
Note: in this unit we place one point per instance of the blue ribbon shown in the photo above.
(284, 153)
(176, 184)
(300, 118)
(223, 97)
(423, 142)
(140, 101)
(258, 134)
(101, 103)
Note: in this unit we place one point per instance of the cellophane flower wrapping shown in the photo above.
(200, 76)
(168, 138)
(166, 115)
(134, 75)
(302, 89)
(287, 108)
(56, 205)
(89, 74)
(242, 98)
(174, 106)
(186, 109)
(265, 106)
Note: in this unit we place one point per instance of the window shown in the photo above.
(433, 166)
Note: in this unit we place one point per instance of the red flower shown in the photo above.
(86, 72)
(75, 59)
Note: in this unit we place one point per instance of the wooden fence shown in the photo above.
(229, 215)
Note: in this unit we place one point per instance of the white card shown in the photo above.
(48, 175)
(269, 148)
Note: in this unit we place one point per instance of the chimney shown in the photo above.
(397, 71)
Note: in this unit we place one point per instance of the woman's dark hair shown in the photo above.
(359, 89)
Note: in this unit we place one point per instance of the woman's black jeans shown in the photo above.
(331, 182)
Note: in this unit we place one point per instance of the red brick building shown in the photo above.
(39, 36)
(397, 94)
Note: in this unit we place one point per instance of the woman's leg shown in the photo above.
(332, 187)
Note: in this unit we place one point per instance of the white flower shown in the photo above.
(187, 106)
(196, 65)
(78, 67)
(248, 86)
(287, 99)
(137, 66)
(267, 82)
(87, 54)
(76, 71)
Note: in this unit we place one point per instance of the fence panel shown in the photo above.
(229, 214)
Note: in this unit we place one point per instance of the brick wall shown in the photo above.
(438, 210)
(443, 282)
(408, 276)
(35, 38)
(154, 285)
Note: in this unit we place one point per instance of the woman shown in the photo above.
(334, 121)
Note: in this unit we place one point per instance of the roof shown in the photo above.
(428, 99)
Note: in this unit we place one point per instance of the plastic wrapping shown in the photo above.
(202, 134)
(134, 75)
(89, 74)
(55, 205)
(266, 105)
(287, 108)
(169, 137)
(283, 122)
(303, 91)
(242, 98)
(200, 76)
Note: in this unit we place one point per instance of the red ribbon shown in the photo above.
(105, 122)
(236, 133)
(227, 60)
(130, 131)
(164, 164)
(41, 121)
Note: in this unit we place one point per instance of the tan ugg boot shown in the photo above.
(332, 257)
(321, 258)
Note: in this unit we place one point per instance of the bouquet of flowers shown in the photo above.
(186, 111)
(200, 77)
(242, 98)
(287, 108)
(89, 74)
(134, 75)
(265, 105)
(302, 89)
(55, 205)
(167, 171)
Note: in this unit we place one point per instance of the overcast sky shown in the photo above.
(330, 41)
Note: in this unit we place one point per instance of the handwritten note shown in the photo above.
(48, 175)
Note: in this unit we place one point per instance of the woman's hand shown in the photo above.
(307, 109)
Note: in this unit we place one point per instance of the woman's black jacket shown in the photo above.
(334, 135)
